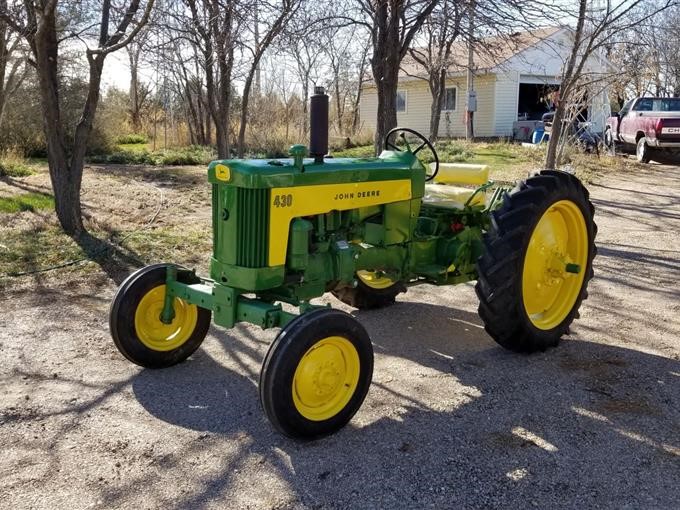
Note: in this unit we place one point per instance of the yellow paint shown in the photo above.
(326, 378)
(559, 238)
(451, 196)
(222, 172)
(462, 173)
(156, 335)
(289, 203)
(375, 280)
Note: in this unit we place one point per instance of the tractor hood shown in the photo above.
(277, 173)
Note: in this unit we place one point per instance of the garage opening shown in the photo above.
(535, 99)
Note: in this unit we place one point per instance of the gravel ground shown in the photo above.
(451, 420)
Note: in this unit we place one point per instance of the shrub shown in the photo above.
(132, 138)
(193, 155)
(12, 164)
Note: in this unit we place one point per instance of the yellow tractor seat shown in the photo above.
(446, 192)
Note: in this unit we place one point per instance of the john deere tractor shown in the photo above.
(291, 230)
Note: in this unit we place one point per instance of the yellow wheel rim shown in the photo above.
(326, 378)
(375, 279)
(156, 335)
(558, 243)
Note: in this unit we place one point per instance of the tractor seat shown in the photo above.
(451, 197)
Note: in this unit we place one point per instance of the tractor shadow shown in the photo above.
(451, 420)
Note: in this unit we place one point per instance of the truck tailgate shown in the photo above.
(670, 129)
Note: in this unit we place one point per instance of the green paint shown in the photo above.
(406, 240)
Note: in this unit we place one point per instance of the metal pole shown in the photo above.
(470, 108)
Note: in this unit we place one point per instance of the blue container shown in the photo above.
(537, 137)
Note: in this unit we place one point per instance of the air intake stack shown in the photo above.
(318, 124)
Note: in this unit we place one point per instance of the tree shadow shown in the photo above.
(113, 259)
(451, 420)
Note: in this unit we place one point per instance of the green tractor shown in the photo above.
(291, 230)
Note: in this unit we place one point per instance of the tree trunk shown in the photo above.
(555, 134)
(565, 90)
(244, 112)
(65, 183)
(338, 106)
(135, 107)
(437, 90)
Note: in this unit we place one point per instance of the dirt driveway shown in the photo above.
(451, 421)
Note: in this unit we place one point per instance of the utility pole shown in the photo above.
(471, 100)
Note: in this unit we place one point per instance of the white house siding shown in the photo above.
(507, 87)
(419, 101)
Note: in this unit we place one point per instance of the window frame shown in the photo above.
(405, 92)
(444, 109)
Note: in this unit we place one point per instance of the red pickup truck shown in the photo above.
(651, 125)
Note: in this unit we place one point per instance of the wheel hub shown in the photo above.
(153, 332)
(325, 378)
(552, 276)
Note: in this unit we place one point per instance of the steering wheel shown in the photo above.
(399, 132)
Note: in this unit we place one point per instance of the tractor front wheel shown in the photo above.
(373, 290)
(538, 261)
(136, 327)
(316, 374)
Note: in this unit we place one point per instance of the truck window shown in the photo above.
(646, 104)
(626, 108)
(667, 104)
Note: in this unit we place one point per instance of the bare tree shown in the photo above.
(440, 31)
(42, 26)
(595, 29)
(393, 24)
(273, 16)
(139, 93)
(13, 68)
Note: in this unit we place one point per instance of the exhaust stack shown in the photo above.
(318, 125)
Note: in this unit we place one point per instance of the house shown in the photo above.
(515, 81)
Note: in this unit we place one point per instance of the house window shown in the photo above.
(449, 100)
(401, 101)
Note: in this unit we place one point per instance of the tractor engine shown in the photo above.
(293, 229)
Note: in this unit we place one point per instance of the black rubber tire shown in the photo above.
(278, 370)
(609, 142)
(499, 284)
(364, 297)
(643, 152)
(122, 322)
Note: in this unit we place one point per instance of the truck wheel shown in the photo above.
(538, 261)
(373, 290)
(316, 374)
(136, 327)
(609, 143)
(643, 152)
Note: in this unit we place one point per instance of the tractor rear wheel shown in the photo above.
(136, 327)
(373, 290)
(316, 374)
(538, 261)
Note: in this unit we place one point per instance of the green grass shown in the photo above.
(363, 151)
(26, 202)
(133, 147)
(40, 247)
(132, 138)
(14, 169)
(507, 161)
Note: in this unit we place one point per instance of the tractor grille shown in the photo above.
(253, 227)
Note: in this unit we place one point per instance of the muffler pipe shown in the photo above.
(318, 125)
